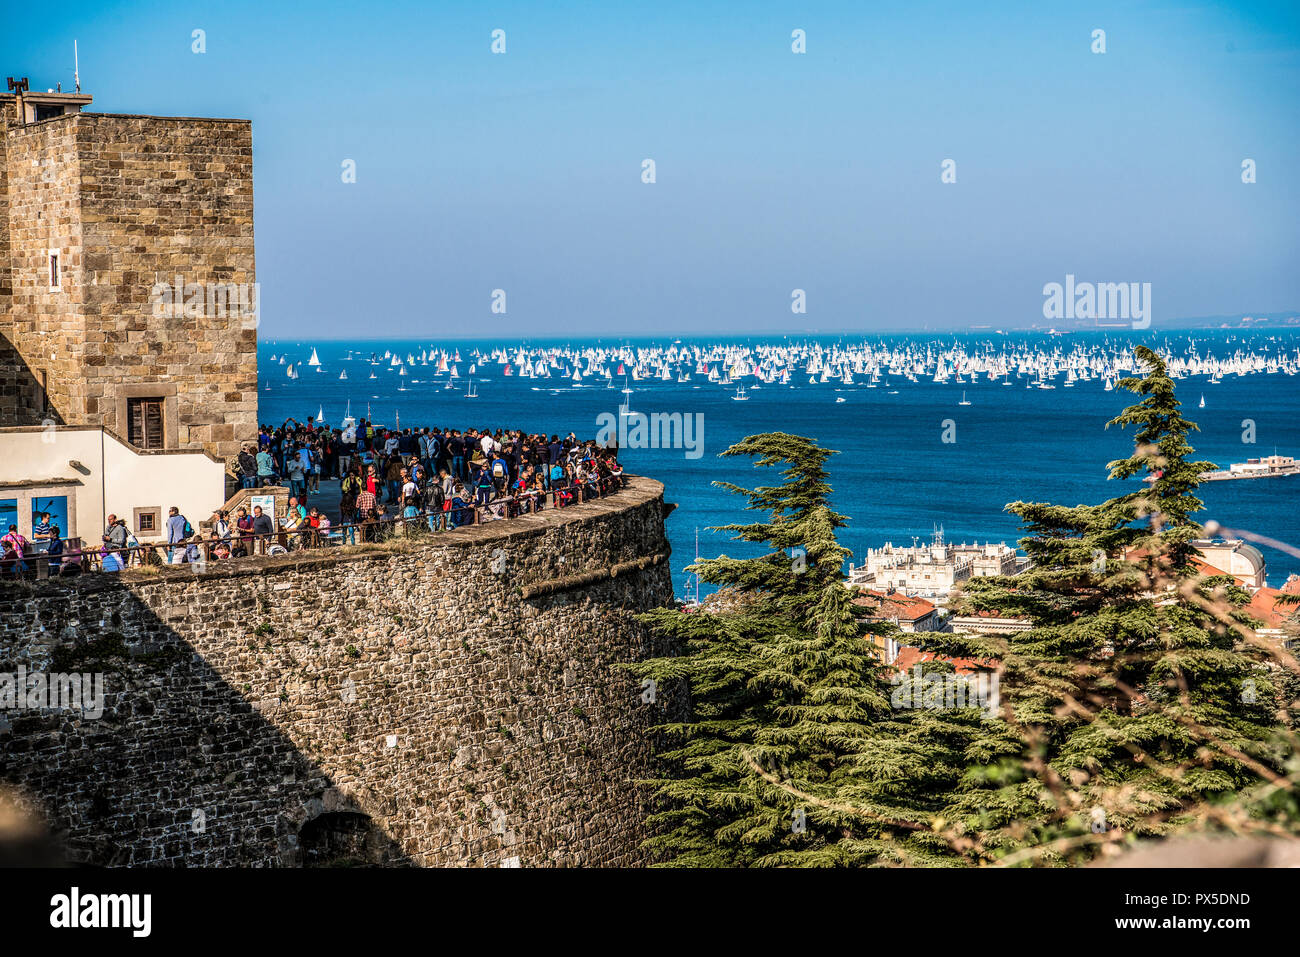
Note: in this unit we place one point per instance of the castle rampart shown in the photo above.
(453, 700)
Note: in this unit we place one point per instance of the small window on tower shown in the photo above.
(54, 269)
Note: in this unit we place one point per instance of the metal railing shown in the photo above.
(243, 543)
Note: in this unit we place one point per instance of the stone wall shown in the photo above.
(44, 328)
(164, 197)
(129, 201)
(399, 703)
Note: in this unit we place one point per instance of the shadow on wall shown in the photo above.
(23, 398)
(180, 769)
(466, 692)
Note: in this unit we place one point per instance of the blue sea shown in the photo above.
(894, 476)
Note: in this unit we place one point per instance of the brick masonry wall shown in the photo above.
(412, 683)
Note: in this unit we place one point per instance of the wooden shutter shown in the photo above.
(145, 429)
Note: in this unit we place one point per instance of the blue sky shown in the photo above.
(775, 171)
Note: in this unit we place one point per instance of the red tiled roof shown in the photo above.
(897, 605)
(1264, 606)
(908, 657)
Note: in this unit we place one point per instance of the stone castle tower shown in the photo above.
(98, 212)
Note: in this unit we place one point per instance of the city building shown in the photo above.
(1264, 466)
(1234, 557)
(907, 613)
(986, 623)
(128, 363)
(935, 569)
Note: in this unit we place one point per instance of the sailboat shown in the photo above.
(1202, 405)
(964, 400)
(625, 409)
(471, 392)
(343, 374)
(692, 590)
(740, 395)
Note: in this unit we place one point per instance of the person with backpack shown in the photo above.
(434, 500)
(393, 481)
(308, 459)
(500, 472)
(482, 481)
(297, 481)
(243, 546)
(179, 532)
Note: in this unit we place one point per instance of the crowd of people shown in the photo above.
(389, 481)
(47, 545)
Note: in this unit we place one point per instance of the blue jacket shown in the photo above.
(175, 529)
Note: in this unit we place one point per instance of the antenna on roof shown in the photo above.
(76, 66)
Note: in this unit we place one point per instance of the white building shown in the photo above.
(83, 474)
(935, 569)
